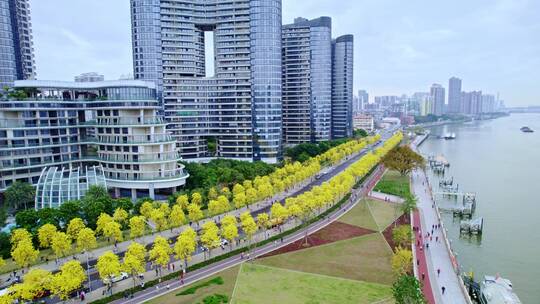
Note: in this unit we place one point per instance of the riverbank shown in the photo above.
(498, 162)
(436, 265)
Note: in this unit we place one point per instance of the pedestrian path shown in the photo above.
(436, 260)
(385, 197)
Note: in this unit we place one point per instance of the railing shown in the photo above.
(127, 158)
(128, 139)
(38, 122)
(115, 121)
(146, 175)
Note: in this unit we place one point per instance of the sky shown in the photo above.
(401, 47)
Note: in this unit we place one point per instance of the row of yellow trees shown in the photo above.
(163, 216)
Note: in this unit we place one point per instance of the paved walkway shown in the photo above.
(385, 197)
(433, 254)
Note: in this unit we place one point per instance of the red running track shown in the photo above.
(421, 256)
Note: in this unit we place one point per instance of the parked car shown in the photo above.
(120, 277)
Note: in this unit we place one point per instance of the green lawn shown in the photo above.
(360, 216)
(229, 280)
(261, 285)
(366, 258)
(384, 213)
(393, 183)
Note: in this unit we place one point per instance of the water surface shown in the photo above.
(502, 165)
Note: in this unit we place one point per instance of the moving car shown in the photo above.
(120, 277)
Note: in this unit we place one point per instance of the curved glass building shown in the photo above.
(58, 185)
(112, 124)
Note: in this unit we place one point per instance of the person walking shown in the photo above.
(443, 289)
(438, 272)
(423, 276)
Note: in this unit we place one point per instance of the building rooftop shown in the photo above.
(83, 85)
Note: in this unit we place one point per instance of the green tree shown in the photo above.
(407, 290)
(403, 159)
(70, 210)
(359, 133)
(19, 194)
(409, 205)
(27, 219)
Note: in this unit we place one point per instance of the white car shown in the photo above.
(224, 242)
(120, 277)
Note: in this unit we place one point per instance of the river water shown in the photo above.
(501, 165)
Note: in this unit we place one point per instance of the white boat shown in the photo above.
(497, 290)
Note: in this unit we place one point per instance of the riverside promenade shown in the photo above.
(435, 263)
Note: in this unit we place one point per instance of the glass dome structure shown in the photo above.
(58, 185)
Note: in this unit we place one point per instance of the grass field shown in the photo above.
(261, 285)
(229, 280)
(384, 213)
(360, 216)
(365, 258)
(393, 183)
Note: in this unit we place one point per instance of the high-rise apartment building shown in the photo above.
(16, 46)
(363, 100)
(438, 99)
(471, 102)
(454, 95)
(69, 125)
(307, 80)
(342, 86)
(488, 103)
(235, 113)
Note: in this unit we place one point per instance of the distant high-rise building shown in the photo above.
(89, 77)
(236, 112)
(488, 103)
(16, 45)
(386, 101)
(471, 102)
(363, 100)
(342, 86)
(426, 105)
(454, 95)
(438, 99)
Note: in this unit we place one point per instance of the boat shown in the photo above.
(497, 290)
(450, 136)
(526, 129)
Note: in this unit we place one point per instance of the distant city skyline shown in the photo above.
(399, 47)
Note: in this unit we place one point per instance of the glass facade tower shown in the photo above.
(342, 86)
(16, 47)
(236, 113)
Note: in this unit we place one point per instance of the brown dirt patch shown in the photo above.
(404, 219)
(334, 232)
